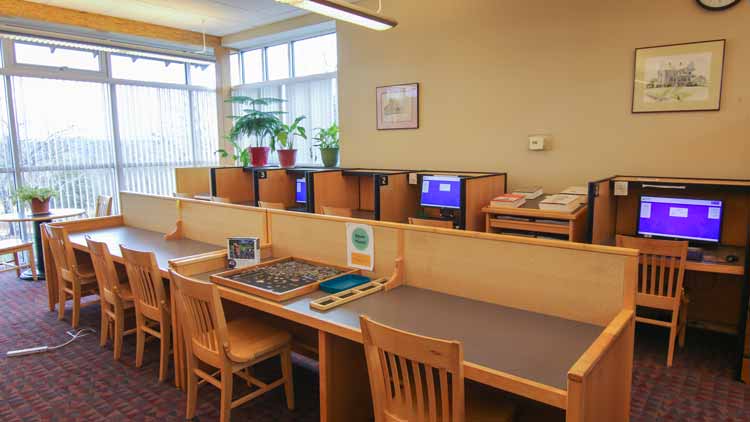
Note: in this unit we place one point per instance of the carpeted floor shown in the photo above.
(82, 382)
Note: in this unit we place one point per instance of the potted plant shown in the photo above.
(282, 141)
(38, 198)
(253, 122)
(328, 142)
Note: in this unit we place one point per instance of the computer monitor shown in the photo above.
(698, 220)
(441, 192)
(300, 195)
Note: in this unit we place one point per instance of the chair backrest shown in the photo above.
(103, 206)
(662, 270)
(443, 224)
(339, 212)
(62, 251)
(202, 316)
(104, 268)
(271, 205)
(430, 371)
(145, 282)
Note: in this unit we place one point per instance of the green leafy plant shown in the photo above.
(283, 135)
(27, 193)
(327, 137)
(253, 122)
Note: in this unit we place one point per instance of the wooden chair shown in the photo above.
(103, 206)
(662, 270)
(271, 205)
(230, 347)
(339, 212)
(75, 279)
(152, 306)
(15, 247)
(115, 298)
(415, 379)
(443, 224)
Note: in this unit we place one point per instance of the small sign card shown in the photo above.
(360, 252)
(243, 251)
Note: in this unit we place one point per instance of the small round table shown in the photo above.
(38, 220)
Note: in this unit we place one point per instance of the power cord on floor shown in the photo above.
(74, 335)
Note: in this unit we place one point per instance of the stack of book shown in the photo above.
(508, 200)
(530, 192)
(560, 202)
(581, 191)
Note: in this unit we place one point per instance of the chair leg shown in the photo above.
(119, 332)
(166, 336)
(76, 305)
(32, 264)
(17, 263)
(192, 389)
(286, 370)
(226, 394)
(140, 340)
(672, 338)
(104, 328)
(61, 300)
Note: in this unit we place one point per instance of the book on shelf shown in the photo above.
(581, 191)
(560, 202)
(508, 200)
(530, 192)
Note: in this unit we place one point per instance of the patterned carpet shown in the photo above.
(83, 383)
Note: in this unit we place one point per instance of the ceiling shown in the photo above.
(216, 17)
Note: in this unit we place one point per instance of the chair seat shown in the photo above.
(125, 293)
(8, 245)
(250, 339)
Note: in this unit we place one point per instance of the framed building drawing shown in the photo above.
(398, 106)
(679, 77)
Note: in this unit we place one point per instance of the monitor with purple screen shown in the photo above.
(441, 192)
(300, 195)
(680, 218)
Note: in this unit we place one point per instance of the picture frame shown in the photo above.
(679, 77)
(397, 106)
(243, 251)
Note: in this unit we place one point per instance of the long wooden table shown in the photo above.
(526, 353)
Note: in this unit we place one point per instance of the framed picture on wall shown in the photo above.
(398, 106)
(679, 77)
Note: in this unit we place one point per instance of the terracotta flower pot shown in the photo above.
(330, 156)
(287, 157)
(259, 156)
(39, 207)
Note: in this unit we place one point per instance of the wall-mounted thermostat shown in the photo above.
(536, 142)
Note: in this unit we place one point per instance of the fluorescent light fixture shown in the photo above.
(344, 11)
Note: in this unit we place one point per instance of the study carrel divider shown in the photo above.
(233, 183)
(192, 181)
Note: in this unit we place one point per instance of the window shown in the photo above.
(252, 62)
(203, 75)
(314, 97)
(54, 56)
(150, 70)
(278, 62)
(315, 55)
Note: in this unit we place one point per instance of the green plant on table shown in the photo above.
(283, 135)
(252, 122)
(327, 137)
(27, 193)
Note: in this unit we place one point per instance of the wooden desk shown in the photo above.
(506, 348)
(528, 218)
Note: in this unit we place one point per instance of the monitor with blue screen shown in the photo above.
(300, 195)
(441, 192)
(680, 218)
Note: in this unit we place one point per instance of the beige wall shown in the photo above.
(494, 71)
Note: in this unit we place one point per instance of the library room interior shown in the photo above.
(375, 210)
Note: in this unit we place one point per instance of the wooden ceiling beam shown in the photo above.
(58, 15)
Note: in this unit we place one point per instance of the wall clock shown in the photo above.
(718, 4)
